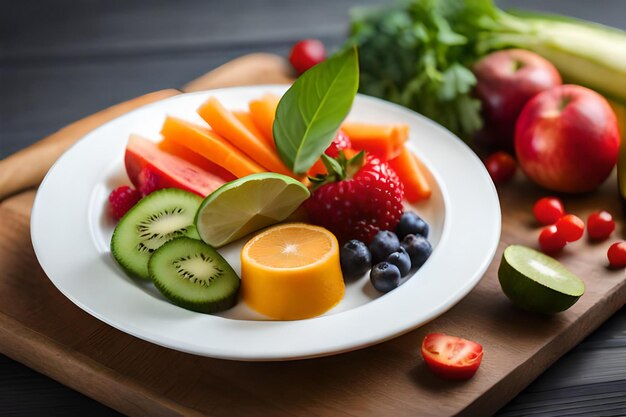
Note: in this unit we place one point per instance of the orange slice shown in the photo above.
(292, 271)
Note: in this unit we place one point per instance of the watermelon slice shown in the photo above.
(149, 169)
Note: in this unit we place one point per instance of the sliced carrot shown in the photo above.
(408, 168)
(226, 125)
(245, 119)
(263, 112)
(384, 141)
(174, 148)
(210, 145)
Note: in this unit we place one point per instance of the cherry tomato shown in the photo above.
(501, 167)
(306, 54)
(570, 227)
(451, 357)
(617, 255)
(600, 225)
(551, 240)
(548, 210)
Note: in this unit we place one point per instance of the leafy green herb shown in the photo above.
(411, 55)
(311, 111)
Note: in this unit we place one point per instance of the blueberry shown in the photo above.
(355, 259)
(418, 248)
(383, 244)
(401, 259)
(411, 223)
(385, 276)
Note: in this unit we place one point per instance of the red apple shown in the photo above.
(150, 169)
(506, 80)
(567, 139)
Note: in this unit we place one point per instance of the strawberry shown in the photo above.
(358, 198)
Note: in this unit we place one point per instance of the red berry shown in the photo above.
(341, 141)
(501, 167)
(550, 240)
(600, 225)
(359, 207)
(570, 227)
(307, 53)
(122, 199)
(548, 210)
(617, 255)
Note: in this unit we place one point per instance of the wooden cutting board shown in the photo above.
(42, 329)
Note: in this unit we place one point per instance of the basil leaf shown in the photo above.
(311, 111)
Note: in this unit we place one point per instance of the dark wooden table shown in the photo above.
(60, 61)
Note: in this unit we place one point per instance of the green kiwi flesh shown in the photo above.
(157, 218)
(193, 275)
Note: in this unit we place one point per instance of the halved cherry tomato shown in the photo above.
(451, 357)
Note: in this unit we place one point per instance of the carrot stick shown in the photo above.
(263, 112)
(407, 166)
(246, 120)
(210, 145)
(384, 141)
(227, 126)
(174, 148)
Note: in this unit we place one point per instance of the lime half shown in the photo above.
(246, 205)
(537, 282)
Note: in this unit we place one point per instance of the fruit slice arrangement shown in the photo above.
(356, 198)
(254, 169)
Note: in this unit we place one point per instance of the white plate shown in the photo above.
(71, 230)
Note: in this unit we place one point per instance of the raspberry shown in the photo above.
(361, 206)
(122, 199)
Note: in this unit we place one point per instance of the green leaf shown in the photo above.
(354, 164)
(333, 167)
(311, 111)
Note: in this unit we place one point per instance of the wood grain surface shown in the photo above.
(37, 324)
(124, 55)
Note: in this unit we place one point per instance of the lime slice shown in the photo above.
(537, 282)
(246, 205)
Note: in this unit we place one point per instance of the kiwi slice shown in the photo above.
(193, 275)
(160, 216)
